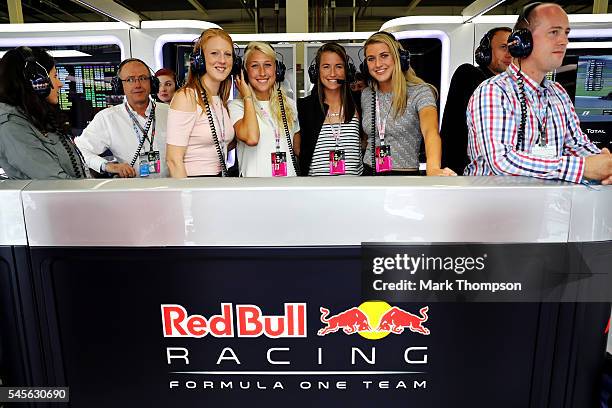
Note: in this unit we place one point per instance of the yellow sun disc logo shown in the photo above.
(374, 309)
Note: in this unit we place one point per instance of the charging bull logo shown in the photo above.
(350, 321)
(396, 319)
(374, 320)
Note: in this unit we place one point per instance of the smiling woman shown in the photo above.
(399, 110)
(167, 84)
(264, 118)
(329, 116)
(199, 128)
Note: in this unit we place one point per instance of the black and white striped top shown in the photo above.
(349, 141)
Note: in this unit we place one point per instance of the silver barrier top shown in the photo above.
(313, 211)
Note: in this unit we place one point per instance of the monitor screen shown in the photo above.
(86, 91)
(593, 98)
(85, 72)
(183, 53)
(586, 75)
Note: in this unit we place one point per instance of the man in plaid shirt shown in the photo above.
(553, 146)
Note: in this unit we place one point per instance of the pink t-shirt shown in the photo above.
(192, 129)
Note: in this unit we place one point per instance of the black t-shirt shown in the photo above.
(454, 130)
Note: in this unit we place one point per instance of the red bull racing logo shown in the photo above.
(374, 320)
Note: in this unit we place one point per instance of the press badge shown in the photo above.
(154, 161)
(279, 164)
(336, 162)
(144, 169)
(383, 158)
(545, 152)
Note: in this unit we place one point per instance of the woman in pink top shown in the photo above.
(199, 127)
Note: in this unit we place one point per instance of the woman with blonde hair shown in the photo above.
(264, 118)
(399, 110)
(199, 128)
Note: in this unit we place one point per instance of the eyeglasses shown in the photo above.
(133, 80)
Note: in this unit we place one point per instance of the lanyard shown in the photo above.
(150, 125)
(381, 124)
(542, 134)
(219, 124)
(336, 128)
(268, 119)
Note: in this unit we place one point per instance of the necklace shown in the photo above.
(333, 114)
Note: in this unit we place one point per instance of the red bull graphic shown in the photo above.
(374, 320)
(244, 321)
(396, 320)
(350, 321)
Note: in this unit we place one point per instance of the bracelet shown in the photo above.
(248, 97)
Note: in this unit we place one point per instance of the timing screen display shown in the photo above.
(594, 88)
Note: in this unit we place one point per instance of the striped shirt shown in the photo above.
(349, 141)
(494, 117)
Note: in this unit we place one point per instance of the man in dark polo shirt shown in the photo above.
(493, 58)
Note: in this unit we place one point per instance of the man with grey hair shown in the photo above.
(134, 131)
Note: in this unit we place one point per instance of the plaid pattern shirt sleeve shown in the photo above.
(576, 143)
(493, 117)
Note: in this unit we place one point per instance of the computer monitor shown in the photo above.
(593, 97)
(86, 91)
(586, 75)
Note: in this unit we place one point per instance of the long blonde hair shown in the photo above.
(193, 79)
(399, 79)
(275, 108)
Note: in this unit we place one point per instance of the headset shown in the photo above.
(404, 57)
(313, 69)
(117, 83)
(280, 68)
(520, 41)
(483, 53)
(520, 45)
(35, 74)
(197, 62)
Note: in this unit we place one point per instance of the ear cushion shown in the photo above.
(41, 84)
(313, 71)
(197, 63)
(483, 53)
(117, 85)
(520, 43)
(35, 74)
(404, 59)
(363, 68)
(154, 85)
(281, 69)
(350, 71)
(236, 65)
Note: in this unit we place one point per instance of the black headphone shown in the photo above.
(117, 83)
(197, 62)
(483, 53)
(520, 41)
(313, 69)
(279, 70)
(35, 74)
(404, 57)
